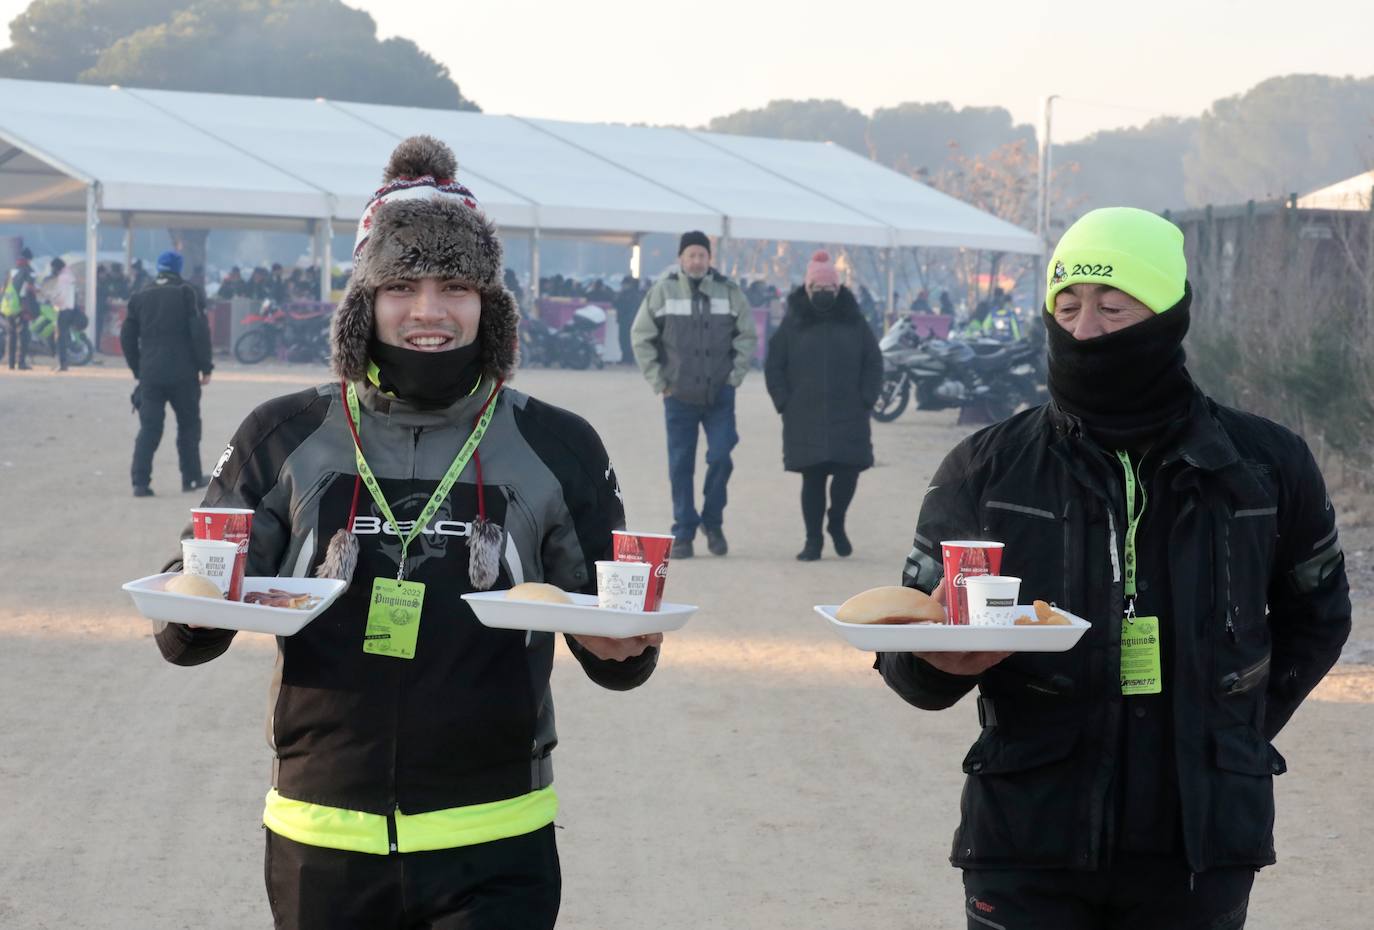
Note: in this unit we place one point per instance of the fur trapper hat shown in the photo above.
(423, 224)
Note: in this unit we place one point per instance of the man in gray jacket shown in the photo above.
(693, 338)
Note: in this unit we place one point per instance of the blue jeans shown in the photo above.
(683, 420)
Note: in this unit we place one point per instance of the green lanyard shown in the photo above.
(1132, 524)
(445, 484)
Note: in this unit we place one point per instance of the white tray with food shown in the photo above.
(899, 619)
(579, 615)
(301, 600)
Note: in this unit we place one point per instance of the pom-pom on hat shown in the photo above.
(422, 223)
(1134, 251)
(821, 271)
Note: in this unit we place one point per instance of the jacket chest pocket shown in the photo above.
(1249, 535)
(1037, 546)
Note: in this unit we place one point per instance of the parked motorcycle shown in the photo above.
(945, 373)
(43, 337)
(303, 335)
(571, 346)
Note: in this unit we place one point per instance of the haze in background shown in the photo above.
(641, 62)
(685, 63)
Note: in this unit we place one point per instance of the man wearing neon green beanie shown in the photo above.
(1127, 783)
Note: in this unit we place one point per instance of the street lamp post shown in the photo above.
(1042, 206)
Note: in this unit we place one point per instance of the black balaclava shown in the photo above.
(429, 380)
(1127, 386)
(823, 300)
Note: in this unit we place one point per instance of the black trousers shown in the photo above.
(512, 884)
(64, 330)
(17, 338)
(844, 480)
(1136, 893)
(153, 399)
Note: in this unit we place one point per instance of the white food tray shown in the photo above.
(157, 604)
(581, 618)
(942, 637)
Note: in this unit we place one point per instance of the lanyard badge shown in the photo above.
(393, 615)
(1140, 648)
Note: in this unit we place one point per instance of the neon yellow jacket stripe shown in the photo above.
(336, 828)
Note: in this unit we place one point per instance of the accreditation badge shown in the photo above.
(393, 618)
(1140, 665)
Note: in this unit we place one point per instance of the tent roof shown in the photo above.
(1350, 194)
(213, 160)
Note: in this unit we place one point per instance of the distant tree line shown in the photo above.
(1286, 134)
(271, 48)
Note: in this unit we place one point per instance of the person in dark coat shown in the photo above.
(166, 341)
(823, 373)
(1129, 781)
(627, 302)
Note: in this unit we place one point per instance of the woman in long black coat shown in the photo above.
(824, 372)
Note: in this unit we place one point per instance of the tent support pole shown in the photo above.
(534, 272)
(92, 255)
(324, 256)
(128, 243)
(891, 313)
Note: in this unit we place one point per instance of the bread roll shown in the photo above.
(538, 591)
(194, 585)
(891, 604)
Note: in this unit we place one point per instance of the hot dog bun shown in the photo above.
(538, 591)
(891, 604)
(194, 585)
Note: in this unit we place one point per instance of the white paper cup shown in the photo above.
(212, 558)
(622, 585)
(992, 599)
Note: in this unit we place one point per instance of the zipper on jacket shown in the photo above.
(1245, 679)
(1230, 627)
(391, 828)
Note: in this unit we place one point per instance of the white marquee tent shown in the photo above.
(1355, 193)
(92, 155)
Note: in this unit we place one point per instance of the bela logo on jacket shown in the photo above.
(445, 535)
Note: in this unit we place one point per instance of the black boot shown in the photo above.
(811, 551)
(843, 548)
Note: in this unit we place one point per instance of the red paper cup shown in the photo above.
(646, 547)
(231, 524)
(963, 558)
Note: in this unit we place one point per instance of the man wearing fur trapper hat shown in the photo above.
(1128, 782)
(412, 783)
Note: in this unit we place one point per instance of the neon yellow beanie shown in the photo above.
(1132, 250)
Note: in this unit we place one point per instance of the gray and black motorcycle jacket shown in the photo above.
(470, 718)
(1258, 611)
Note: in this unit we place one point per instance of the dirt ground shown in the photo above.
(764, 778)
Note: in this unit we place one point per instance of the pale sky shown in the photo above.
(1115, 64)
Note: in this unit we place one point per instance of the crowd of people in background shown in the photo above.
(275, 284)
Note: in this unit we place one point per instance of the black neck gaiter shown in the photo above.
(430, 380)
(1126, 386)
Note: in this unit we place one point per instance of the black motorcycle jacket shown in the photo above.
(1260, 611)
(470, 718)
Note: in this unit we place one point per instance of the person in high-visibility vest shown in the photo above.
(413, 779)
(1002, 324)
(19, 305)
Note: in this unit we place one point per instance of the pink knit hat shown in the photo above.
(821, 271)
